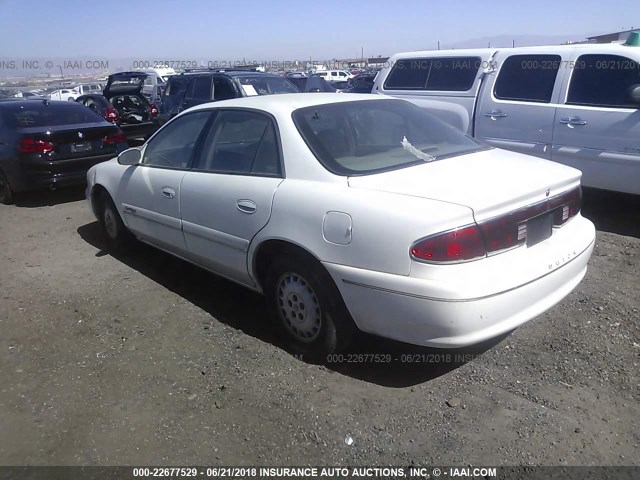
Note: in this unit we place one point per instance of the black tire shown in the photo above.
(6, 194)
(119, 238)
(295, 283)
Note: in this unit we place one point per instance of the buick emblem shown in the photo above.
(80, 135)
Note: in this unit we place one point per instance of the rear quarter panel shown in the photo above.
(384, 226)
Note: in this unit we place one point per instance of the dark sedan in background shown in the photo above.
(49, 144)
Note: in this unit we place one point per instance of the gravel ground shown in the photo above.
(145, 359)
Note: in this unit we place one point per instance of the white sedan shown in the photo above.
(348, 214)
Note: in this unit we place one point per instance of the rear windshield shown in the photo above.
(363, 137)
(36, 114)
(259, 85)
(122, 82)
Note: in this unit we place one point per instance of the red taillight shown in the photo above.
(113, 139)
(111, 115)
(454, 246)
(154, 110)
(30, 145)
(567, 205)
(496, 234)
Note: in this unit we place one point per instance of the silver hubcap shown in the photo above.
(299, 307)
(110, 224)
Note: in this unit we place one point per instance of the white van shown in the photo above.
(573, 104)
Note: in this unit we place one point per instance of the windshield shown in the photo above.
(362, 137)
(266, 85)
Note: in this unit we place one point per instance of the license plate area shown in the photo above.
(539, 228)
(80, 147)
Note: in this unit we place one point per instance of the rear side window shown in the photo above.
(453, 74)
(36, 114)
(603, 80)
(527, 78)
(241, 142)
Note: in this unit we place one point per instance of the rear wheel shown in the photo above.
(118, 236)
(308, 307)
(6, 195)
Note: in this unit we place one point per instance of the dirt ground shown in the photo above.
(145, 359)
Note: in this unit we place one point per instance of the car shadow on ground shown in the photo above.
(612, 212)
(43, 198)
(372, 359)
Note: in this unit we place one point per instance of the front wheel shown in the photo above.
(308, 307)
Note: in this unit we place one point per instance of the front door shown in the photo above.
(151, 191)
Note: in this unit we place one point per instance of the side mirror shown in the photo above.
(633, 94)
(131, 156)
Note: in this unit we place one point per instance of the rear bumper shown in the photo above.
(439, 314)
(39, 174)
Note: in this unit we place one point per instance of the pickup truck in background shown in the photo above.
(573, 104)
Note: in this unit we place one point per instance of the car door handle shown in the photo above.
(168, 192)
(247, 206)
(572, 121)
(493, 115)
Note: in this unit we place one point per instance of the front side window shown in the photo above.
(527, 78)
(173, 146)
(603, 81)
(241, 142)
(453, 74)
(363, 137)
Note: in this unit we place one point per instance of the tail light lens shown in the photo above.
(154, 110)
(118, 137)
(111, 115)
(454, 246)
(496, 234)
(30, 145)
(568, 206)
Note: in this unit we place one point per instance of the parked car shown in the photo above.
(362, 83)
(414, 231)
(136, 116)
(311, 83)
(201, 86)
(334, 75)
(339, 85)
(131, 126)
(63, 94)
(573, 104)
(49, 144)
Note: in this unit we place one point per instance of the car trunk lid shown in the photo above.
(490, 182)
(74, 141)
(124, 83)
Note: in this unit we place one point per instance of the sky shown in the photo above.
(276, 30)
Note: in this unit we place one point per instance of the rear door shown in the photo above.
(517, 103)
(150, 192)
(227, 197)
(597, 129)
